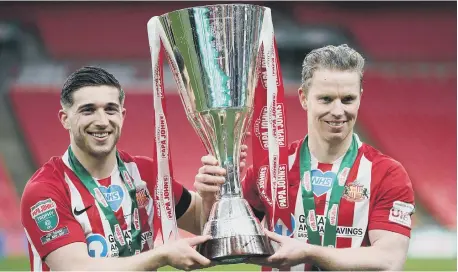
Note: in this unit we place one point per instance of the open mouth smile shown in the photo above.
(336, 123)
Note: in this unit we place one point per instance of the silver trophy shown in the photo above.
(213, 54)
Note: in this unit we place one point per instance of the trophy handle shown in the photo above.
(164, 192)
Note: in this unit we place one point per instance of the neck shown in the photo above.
(98, 167)
(328, 151)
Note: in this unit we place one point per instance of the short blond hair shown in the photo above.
(341, 58)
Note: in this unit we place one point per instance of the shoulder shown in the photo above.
(295, 146)
(379, 160)
(143, 163)
(48, 182)
(293, 153)
(385, 169)
(146, 166)
(140, 160)
(50, 175)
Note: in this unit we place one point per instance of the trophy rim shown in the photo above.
(226, 250)
(215, 5)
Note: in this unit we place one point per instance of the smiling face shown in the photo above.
(332, 103)
(94, 120)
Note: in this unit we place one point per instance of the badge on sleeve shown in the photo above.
(45, 215)
(400, 213)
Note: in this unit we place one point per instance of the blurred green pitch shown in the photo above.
(22, 264)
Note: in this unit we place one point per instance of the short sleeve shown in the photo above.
(182, 198)
(394, 203)
(178, 190)
(47, 218)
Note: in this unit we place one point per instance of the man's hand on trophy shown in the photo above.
(211, 175)
(243, 155)
(243, 151)
(209, 178)
(182, 255)
(290, 252)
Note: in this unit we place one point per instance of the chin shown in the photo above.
(336, 137)
(100, 151)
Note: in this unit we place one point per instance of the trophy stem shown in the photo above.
(224, 131)
(231, 188)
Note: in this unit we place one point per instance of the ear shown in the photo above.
(123, 112)
(63, 118)
(302, 98)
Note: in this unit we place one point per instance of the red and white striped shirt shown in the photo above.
(378, 195)
(57, 209)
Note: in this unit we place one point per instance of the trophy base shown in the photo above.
(236, 249)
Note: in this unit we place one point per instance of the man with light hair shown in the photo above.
(353, 204)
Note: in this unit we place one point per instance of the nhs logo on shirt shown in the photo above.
(114, 196)
(322, 182)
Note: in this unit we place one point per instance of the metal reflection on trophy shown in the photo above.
(214, 53)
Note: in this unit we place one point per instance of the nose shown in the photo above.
(101, 119)
(337, 108)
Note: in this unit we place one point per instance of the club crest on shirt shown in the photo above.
(45, 215)
(143, 197)
(355, 192)
(322, 182)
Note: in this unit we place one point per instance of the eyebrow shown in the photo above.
(111, 104)
(92, 105)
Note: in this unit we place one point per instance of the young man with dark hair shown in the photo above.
(96, 201)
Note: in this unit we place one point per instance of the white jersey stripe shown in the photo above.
(299, 267)
(292, 158)
(86, 225)
(361, 211)
(313, 162)
(37, 262)
(150, 212)
(106, 229)
(139, 184)
(335, 169)
(358, 141)
(126, 205)
(299, 210)
(77, 203)
(84, 220)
